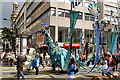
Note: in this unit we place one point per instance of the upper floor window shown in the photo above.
(53, 11)
(61, 12)
(109, 8)
(86, 4)
(89, 17)
(80, 15)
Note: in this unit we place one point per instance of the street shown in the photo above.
(60, 40)
(9, 73)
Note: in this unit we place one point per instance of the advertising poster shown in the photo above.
(24, 46)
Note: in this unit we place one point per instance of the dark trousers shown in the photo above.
(41, 61)
(53, 66)
(88, 63)
(20, 73)
(36, 70)
(11, 61)
(93, 62)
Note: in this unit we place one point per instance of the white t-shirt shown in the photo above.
(105, 66)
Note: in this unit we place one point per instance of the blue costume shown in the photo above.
(36, 64)
(71, 71)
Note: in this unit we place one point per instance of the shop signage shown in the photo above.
(73, 45)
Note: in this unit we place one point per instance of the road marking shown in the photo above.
(78, 76)
(9, 71)
(8, 67)
(45, 75)
(1, 77)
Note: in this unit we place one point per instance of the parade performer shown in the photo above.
(104, 67)
(71, 68)
(111, 65)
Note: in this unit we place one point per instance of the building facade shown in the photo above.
(57, 16)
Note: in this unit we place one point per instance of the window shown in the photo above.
(67, 14)
(105, 7)
(67, 1)
(105, 17)
(115, 9)
(31, 14)
(109, 18)
(53, 11)
(89, 17)
(119, 11)
(80, 15)
(30, 6)
(81, 4)
(86, 4)
(92, 18)
(86, 16)
(61, 12)
(59, 36)
(66, 35)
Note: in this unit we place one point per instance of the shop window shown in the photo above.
(59, 36)
(66, 35)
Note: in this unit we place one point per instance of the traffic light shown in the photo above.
(87, 45)
(7, 45)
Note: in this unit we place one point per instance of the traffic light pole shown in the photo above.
(72, 35)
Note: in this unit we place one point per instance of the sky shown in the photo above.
(6, 11)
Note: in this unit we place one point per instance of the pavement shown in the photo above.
(10, 73)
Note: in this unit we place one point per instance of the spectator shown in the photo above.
(93, 59)
(47, 57)
(9, 57)
(12, 58)
(36, 64)
(20, 60)
(116, 61)
(88, 63)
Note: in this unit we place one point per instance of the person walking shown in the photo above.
(12, 58)
(20, 60)
(47, 57)
(41, 59)
(9, 57)
(36, 64)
